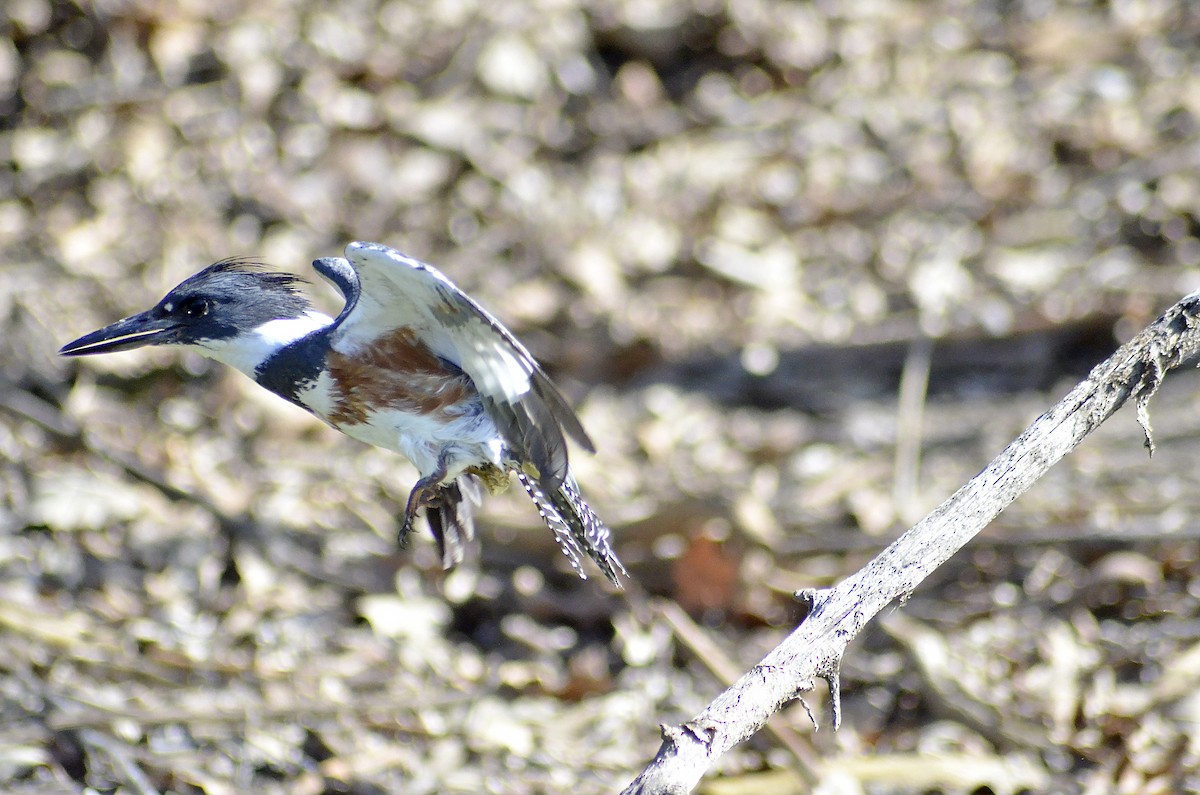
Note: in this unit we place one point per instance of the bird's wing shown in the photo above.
(402, 292)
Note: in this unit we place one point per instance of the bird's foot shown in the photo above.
(426, 494)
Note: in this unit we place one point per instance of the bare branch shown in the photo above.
(816, 647)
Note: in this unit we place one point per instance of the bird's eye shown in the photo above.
(193, 308)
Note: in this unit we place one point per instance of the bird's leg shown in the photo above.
(425, 494)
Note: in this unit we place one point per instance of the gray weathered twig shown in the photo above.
(816, 647)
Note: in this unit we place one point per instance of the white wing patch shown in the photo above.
(506, 376)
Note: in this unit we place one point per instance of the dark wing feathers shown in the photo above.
(560, 409)
(399, 291)
(530, 428)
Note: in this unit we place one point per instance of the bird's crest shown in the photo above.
(286, 282)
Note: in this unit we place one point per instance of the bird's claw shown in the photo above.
(405, 531)
(423, 496)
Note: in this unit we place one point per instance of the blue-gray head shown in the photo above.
(233, 311)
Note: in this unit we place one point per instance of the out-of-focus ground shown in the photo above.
(727, 228)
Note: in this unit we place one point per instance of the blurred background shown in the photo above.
(803, 267)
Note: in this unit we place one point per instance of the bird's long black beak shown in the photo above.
(132, 332)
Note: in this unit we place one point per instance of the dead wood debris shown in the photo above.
(728, 229)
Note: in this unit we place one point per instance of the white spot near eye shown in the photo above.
(169, 307)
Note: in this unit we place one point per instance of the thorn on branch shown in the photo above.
(830, 670)
(1143, 418)
(1147, 386)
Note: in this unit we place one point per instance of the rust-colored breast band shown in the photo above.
(396, 372)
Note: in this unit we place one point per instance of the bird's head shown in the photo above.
(233, 311)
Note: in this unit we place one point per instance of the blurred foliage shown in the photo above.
(723, 226)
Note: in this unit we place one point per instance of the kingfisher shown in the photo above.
(411, 364)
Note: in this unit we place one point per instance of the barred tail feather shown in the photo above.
(587, 529)
(576, 527)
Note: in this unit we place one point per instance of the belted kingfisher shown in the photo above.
(411, 364)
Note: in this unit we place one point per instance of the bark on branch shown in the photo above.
(814, 650)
